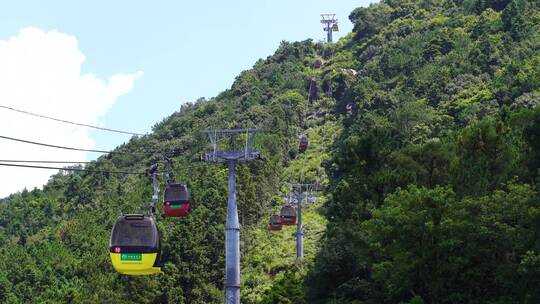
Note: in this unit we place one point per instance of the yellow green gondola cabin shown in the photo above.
(134, 245)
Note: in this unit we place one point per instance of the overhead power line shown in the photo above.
(73, 169)
(70, 122)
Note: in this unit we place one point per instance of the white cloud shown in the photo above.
(41, 72)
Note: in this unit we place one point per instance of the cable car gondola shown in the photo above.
(177, 200)
(303, 143)
(275, 223)
(134, 245)
(288, 215)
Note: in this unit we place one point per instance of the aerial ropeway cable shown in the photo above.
(54, 146)
(73, 169)
(70, 122)
(43, 161)
(172, 152)
(74, 149)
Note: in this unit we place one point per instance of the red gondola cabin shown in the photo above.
(288, 215)
(275, 223)
(303, 143)
(177, 200)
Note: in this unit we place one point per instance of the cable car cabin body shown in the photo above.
(303, 143)
(177, 200)
(288, 215)
(134, 245)
(275, 223)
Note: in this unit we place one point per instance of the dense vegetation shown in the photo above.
(54, 242)
(432, 179)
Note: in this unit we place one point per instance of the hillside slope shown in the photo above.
(54, 242)
(423, 127)
(434, 180)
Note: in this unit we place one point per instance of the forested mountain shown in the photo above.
(424, 127)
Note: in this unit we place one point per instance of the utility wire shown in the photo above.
(73, 169)
(71, 122)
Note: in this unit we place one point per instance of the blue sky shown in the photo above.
(186, 49)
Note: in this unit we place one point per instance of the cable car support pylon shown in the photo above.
(330, 24)
(296, 193)
(232, 227)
